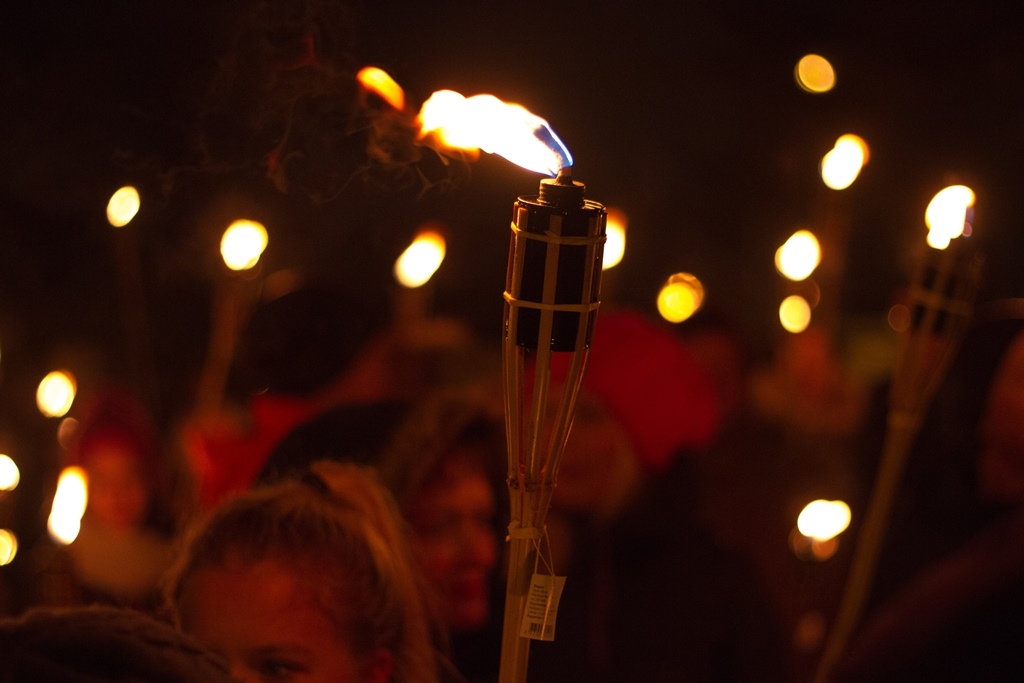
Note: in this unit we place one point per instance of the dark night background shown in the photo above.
(684, 115)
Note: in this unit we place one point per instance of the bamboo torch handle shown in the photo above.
(899, 436)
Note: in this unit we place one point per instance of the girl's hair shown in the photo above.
(339, 528)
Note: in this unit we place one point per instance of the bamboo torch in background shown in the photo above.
(241, 246)
(941, 300)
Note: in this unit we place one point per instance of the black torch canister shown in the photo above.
(551, 301)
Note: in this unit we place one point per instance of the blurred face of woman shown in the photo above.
(453, 521)
(266, 622)
(118, 495)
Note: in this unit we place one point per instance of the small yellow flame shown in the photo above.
(947, 215)
(10, 475)
(56, 393)
(69, 503)
(8, 546)
(243, 244)
(815, 74)
(421, 259)
(483, 122)
(795, 314)
(380, 82)
(823, 519)
(799, 256)
(123, 206)
(843, 163)
(615, 242)
(680, 297)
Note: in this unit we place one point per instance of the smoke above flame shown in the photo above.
(286, 99)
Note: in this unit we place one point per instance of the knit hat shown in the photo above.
(99, 644)
(649, 382)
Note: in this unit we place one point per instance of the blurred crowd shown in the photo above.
(340, 513)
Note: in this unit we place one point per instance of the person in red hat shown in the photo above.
(649, 594)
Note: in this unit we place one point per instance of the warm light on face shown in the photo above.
(123, 206)
(420, 260)
(680, 297)
(8, 546)
(948, 215)
(380, 82)
(56, 393)
(795, 314)
(10, 475)
(69, 503)
(243, 244)
(799, 256)
(815, 74)
(485, 122)
(615, 243)
(824, 519)
(843, 163)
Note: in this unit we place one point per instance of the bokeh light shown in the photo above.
(815, 74)
(811, 549)
(123, 206)
(56, 393)
(242, 244)
(680, 297)
(795, 314)
(421, 259)
(8, 546)
(948, 215)
(799, 256)
(10, 475)
(843, 163)
(69, 503)
(823, 519)
(615, 243)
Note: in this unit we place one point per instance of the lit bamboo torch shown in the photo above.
(941, 301)
(551, 300)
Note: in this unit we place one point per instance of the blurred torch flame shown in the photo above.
(69, 503)
(948, 215)
(680, 297)
(795, 314)
(10, 475)
(842, 164)
(242, 244)
(56, 393)
(123, 206)
(823, 519)
(799, 256)
(615, 239)
(485, 122)
(421, 259)
(8, 546)
(381, 84)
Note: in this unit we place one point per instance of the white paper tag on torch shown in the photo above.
(542, 607)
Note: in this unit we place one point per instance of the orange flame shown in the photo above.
(450, 122)
(380, 83)
(484, 122)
